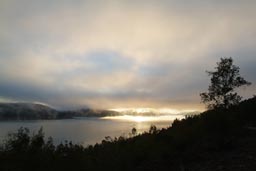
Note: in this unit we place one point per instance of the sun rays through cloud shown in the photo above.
(121, 54)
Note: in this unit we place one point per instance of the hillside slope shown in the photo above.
(33, 111)
(21, 111)
(214, 140)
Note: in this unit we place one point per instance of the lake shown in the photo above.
(89, 130)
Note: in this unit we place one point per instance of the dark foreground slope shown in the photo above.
(214, 140)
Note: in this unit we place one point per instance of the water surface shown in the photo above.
(87, 131)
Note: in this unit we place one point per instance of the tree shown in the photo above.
(134, 131)
(152, 129)
(223, 83)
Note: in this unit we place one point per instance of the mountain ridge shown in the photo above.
(38, 111)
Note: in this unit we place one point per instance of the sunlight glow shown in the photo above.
(152, 110)
(145, 118)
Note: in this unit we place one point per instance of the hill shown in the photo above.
(221, 139)
(33, 111)
(86, 113)
(28, 111)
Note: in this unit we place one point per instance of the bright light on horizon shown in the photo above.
(117, 54)
(145, 118)
(153, 110)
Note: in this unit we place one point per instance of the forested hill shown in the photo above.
(33, 111)
(221, 139)
(21, 111)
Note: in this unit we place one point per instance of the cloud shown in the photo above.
(120, 53)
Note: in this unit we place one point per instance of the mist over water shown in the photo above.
(88, 131)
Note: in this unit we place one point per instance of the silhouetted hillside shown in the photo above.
(86, 113)
(31, 111)
(220, 139)
(26, 111)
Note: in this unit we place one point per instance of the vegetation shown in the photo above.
(219, 139)
(31, 111)
(223, 82)
(28, 111)
(222, 138)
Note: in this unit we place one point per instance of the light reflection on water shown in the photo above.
(89, 130)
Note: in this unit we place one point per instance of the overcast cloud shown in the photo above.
(107, 54)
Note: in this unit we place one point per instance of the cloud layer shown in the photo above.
(109, 54)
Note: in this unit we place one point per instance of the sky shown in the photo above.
(121, 53)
